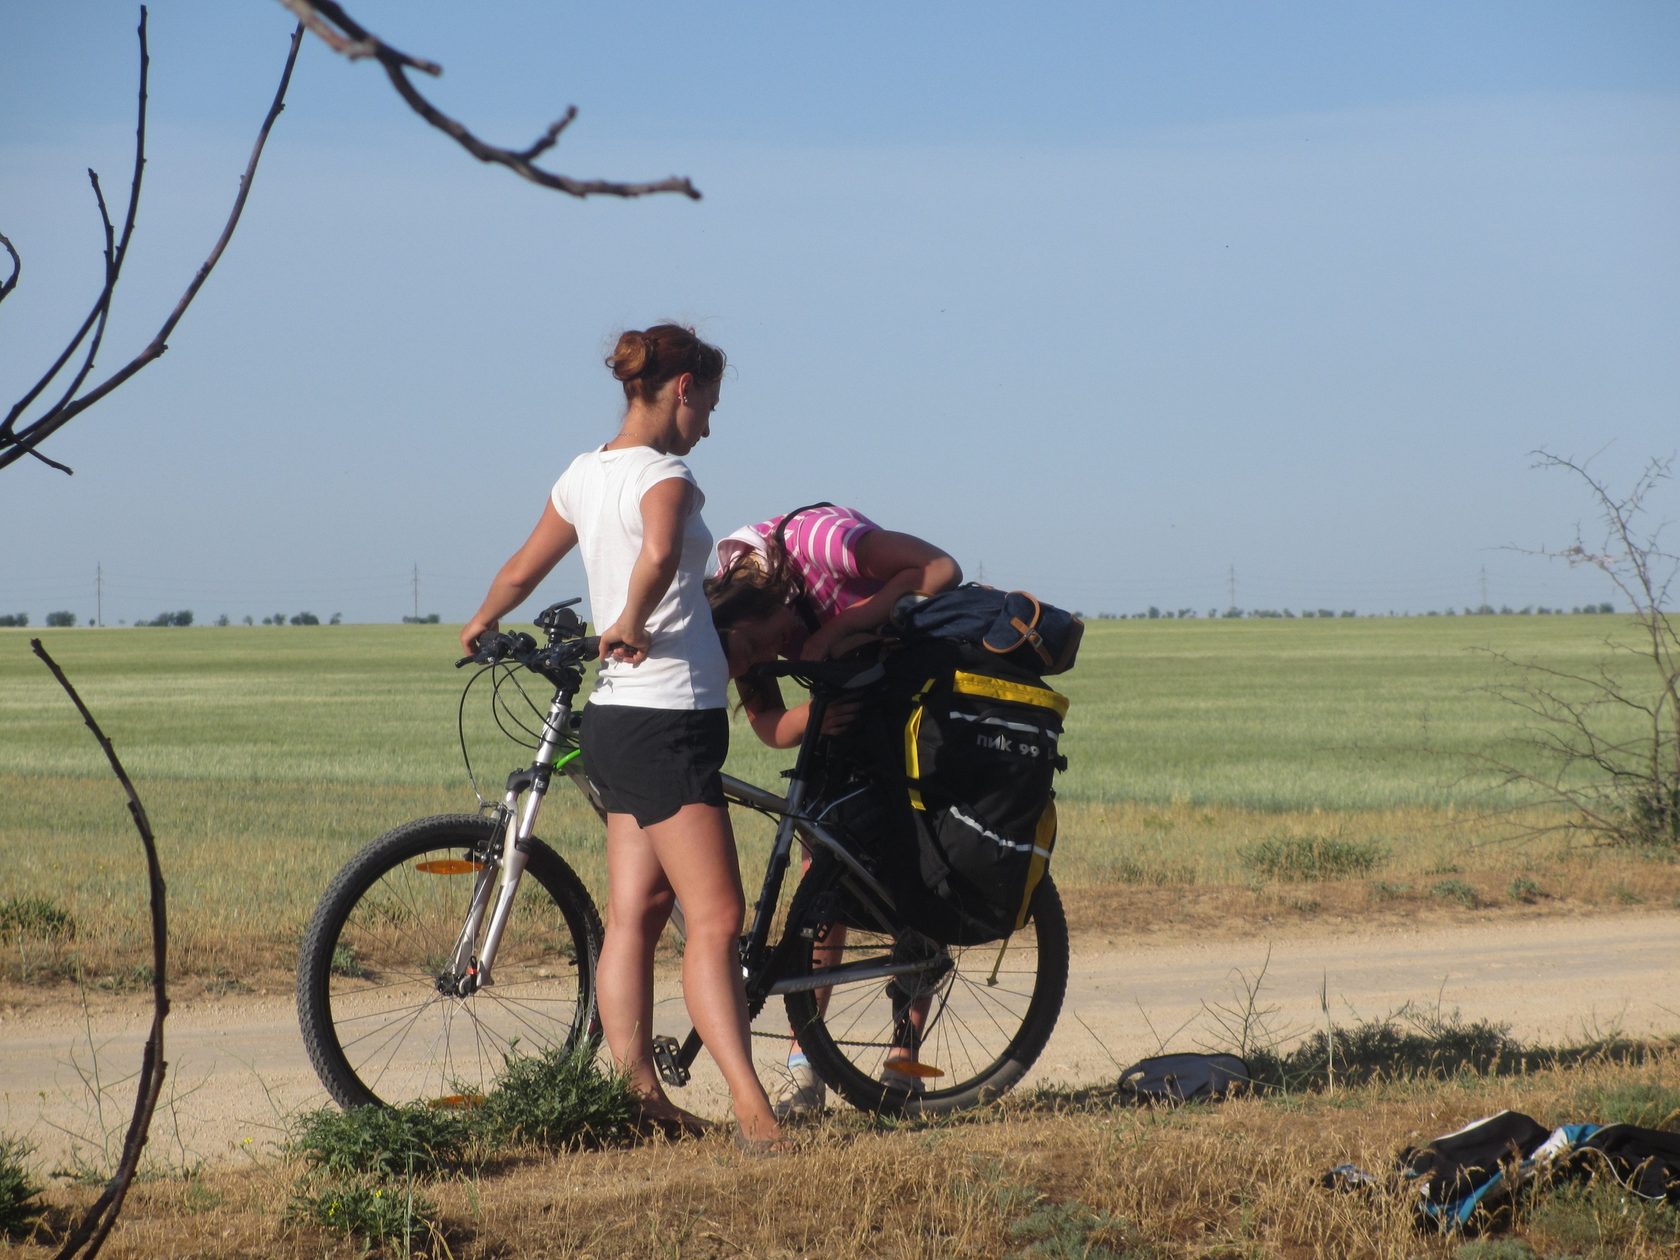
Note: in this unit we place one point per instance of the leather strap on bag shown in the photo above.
(1028, 630)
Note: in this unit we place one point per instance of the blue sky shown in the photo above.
(1118, 302)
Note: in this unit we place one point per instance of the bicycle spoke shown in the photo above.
(380, 1028)
(967, 1024)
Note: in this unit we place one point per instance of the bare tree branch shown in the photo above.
(115, 252)
(1610, 742)
(343, 34)
(88, 1236)
(10, 283)
(15, 441)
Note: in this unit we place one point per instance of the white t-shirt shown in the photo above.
(601, 496)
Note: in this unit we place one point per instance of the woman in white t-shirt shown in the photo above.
(656, 729)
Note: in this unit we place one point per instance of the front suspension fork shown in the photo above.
(500, 878)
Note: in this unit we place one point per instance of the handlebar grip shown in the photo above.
(495, 647)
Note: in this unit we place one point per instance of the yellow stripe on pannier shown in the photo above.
(1044, 840)
(912, 737)
(1014, 692)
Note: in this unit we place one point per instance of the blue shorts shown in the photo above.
(649, 763)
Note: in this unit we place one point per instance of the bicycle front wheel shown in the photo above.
(969, 1019)
(382, 1018)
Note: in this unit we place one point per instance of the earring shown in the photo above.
(683, 399)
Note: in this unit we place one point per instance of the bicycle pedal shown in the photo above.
(665, 1059)
(826, 910)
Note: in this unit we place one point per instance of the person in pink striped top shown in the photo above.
(807, 585)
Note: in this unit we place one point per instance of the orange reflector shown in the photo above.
(449, 866)
(456, 1102)
(909, 1067)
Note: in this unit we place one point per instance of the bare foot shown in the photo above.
(662, 1116)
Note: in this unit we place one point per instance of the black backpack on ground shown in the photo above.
(1186, 1077)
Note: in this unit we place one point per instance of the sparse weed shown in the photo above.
(222, 983)
(19, 1206)
(1123, 868)
(1070, 1231)
(1310, 858)
(39, 917)
(558, 1099)
(129, 979)
(1385, 890)
(393, 1141)
(346, 963)
(1525, 890)
(370, 1209)
(37, 933)
(1456, 890)
(1406, 1045)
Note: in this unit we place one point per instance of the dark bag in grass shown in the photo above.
(1645, 1161)
(1467, 1179)
(1178, 1078)
(1014, 626)
(979, 745)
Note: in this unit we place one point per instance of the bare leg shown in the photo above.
(823, 956)
(696, 850)
(639, 900)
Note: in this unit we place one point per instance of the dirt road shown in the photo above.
(237, 1067)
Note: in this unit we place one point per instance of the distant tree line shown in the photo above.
(1237, 614)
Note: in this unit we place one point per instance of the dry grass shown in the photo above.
(266, 758)
(1184, 865)
(1052, 1174)
(1156, 867)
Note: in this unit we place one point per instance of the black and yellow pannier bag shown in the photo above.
(980, 759)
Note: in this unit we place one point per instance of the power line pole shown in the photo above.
(1484, 588)
(1231, 585)
(99, 594)
(417, 593)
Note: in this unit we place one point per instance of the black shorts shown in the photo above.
(649, 763)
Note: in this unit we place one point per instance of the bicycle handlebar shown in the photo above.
(521, 648)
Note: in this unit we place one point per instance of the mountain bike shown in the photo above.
(452, 943)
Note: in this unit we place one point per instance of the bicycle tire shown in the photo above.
(983, 1028)
(378, 1026)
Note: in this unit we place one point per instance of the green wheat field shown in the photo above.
(1204, 755)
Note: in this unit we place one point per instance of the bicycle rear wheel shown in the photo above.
(984, 1012)
(380, 1017)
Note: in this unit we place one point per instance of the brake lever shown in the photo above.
(502, 647)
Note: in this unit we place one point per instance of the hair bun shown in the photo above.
(632, 357)
(645, 359)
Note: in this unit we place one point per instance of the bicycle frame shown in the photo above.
(875, 1002)
(558, 751)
